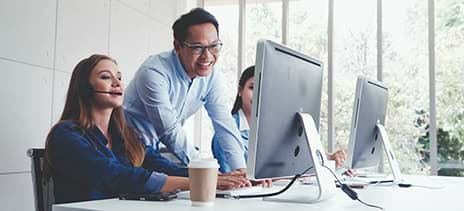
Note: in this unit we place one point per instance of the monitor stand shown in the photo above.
(395, 168)
(325, 180)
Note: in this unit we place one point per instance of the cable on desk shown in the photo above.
(370, 205)
(271, 194)
(404, 185)
(407, 185)
(350, 192)
(380, 182)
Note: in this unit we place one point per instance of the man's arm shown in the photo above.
(226, 132)
(153, 90)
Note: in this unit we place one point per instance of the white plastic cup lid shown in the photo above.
(204, 163)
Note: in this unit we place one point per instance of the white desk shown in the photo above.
(449, 197)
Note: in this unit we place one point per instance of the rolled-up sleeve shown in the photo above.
(155, 182)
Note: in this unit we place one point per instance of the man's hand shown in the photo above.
(237, 175)
(238, 172)
(229, 182)
(242, 174)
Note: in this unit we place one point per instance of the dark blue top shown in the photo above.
(83, 168)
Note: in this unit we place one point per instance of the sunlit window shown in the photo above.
(355, 52)
(450, 87)
(307, 25)
(406, 74)
(263, 21)
(405, 66)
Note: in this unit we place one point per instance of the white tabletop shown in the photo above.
(447, 197)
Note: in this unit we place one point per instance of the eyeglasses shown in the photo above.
(198, 49)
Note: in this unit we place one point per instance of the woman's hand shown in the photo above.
(339, 157)
(264, 182)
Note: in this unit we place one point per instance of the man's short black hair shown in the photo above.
(194, 17)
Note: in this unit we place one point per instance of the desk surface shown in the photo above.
(447, 197)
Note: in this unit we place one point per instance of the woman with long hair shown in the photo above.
(91, 153)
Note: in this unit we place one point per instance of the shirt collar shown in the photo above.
(116, 137)
(243, 123)
(179, 68)
(97, 135)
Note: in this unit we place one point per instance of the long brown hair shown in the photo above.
(247, 74)
(79, 102)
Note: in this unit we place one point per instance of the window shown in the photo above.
(308, 33)
(354, 54)
(263, 20)
(449, 31)
(405, 65)
(405, 53)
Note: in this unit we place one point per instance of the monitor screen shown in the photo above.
(365, 147)
(286, 82)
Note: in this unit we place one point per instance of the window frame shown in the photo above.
(330, 49)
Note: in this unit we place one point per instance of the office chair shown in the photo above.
(43, 187)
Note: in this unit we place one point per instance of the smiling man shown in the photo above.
(170, 87)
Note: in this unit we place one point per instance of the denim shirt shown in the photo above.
(83, 168)
(244, 129)
(161, 97)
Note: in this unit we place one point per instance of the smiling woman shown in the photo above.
(106, 76)
(92, 154)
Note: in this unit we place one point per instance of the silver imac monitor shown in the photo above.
(370, 106)
(368, 137)
(286, 82)
(284, 136)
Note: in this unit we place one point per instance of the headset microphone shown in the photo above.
(107, 92)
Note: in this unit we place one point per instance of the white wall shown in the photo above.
(40, 42)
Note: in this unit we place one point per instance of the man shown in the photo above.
(170, 87)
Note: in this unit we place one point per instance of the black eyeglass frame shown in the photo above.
(198, 49)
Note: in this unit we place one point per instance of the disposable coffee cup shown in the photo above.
(203, 175)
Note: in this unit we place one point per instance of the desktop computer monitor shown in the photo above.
(368, 137)
(286, 82)
(284, 139)
(370, 107)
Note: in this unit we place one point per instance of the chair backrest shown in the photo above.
(43, 186)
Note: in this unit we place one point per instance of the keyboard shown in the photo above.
(230, 192)
(366, 180)
(241, 191)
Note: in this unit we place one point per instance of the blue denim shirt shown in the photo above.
(161, 96)
(83, 168)
(242, 125)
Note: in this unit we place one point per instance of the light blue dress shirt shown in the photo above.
(244, 128)
(161, 97)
